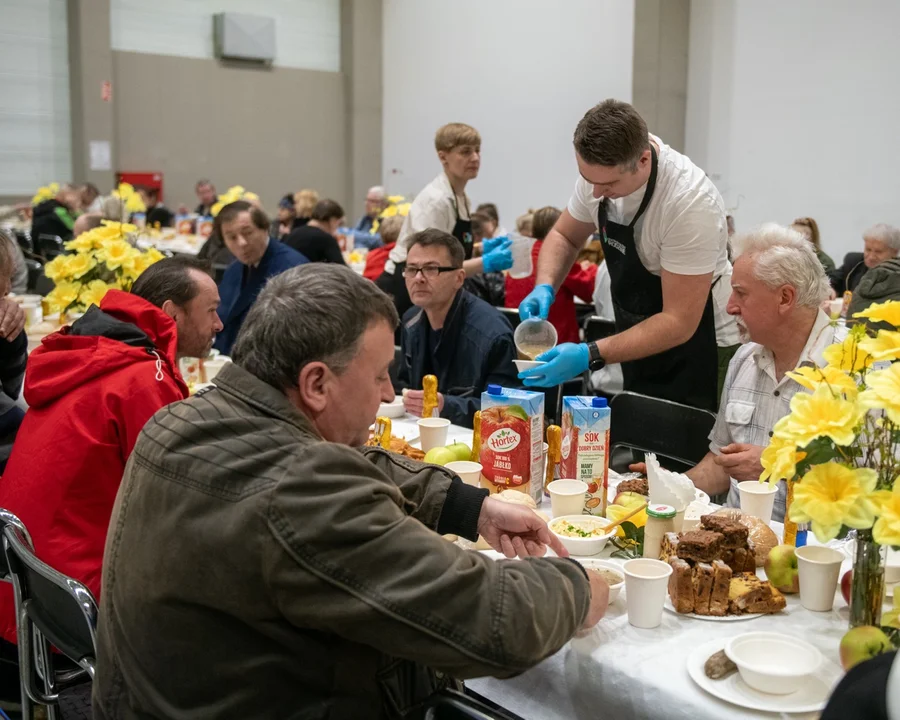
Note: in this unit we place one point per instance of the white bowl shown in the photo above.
(523, 365)
(773, 663)
(582, 545)
(614, 588)
(392, 409)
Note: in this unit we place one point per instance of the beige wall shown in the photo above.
(271, 130)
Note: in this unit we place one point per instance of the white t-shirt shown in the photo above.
(434, 207)
(683, 229)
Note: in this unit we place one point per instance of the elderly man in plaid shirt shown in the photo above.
(778, 287)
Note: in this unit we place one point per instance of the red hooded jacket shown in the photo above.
(90, 389)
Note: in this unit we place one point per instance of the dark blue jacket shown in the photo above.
(476, 348)
(237, 294)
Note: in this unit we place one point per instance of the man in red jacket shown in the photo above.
(90, 389)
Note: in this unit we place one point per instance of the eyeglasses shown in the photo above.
(428, 271)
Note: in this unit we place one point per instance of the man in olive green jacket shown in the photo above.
(259, 566)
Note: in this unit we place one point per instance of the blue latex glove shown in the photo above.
(500, 258)
(563, 362)
(491, 244)
(537, 304)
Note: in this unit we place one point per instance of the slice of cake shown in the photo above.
(668, 551)
(681, 586)
(638, 485)
(702, 546)
(734, 534)
(703, 583)
(721, 586)
(748, 594)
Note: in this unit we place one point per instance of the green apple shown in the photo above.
(630, 499)
(440, 456)
(782, 569)
(461, 451)
(862, 643)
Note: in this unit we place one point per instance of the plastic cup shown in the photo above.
(646, 584)
(469, 472)
(433, 432)
(522, 266)
(819, 569)
(566, 497)
(757, 499)
(533, 337)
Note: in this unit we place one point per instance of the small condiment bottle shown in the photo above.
(660, 520)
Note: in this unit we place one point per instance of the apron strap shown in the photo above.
(651, 186)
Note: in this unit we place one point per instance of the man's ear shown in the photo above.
(170, 309)
(312, 386)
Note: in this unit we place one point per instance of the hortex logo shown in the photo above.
(615, 244)
(503, 440)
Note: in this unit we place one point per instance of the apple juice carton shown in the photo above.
(512, 425)
(585, 448)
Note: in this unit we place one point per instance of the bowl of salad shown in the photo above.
(582, 535)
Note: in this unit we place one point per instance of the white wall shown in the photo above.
(793, 110)
(307, 32)
(523, 72)
(35, 134)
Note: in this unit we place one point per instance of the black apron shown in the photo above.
(686, 373)
(394, 283)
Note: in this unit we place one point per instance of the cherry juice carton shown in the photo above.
(585, 448)
(512, 425)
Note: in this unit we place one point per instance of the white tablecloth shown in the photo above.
(620, 671)
(181, 244)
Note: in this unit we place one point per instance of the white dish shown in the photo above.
(614, 588)
(582, 546)
(711, 618)
(392, 409)
(523, 365)
(773, 663)
(811, 697)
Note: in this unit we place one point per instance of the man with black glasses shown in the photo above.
(450, 333)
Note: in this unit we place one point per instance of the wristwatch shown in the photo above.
(596, 361)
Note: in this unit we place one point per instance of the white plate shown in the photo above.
(712, 618)
(393, 409)
(811, 697)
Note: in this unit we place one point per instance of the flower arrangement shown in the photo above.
(130, 198)
(102, 260)
(397, 205)
(46, 192)
(233, 194)
(839, 447)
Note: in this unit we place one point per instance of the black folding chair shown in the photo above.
(49, 246)
(678, 434)
(8, 518)
(511, 314)
(52, 610)
(597, 328)
(453, 705)
(394, 370)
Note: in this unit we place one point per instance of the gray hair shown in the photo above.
(316, 312)
(376, 190)
(888, 234)
(784, 257)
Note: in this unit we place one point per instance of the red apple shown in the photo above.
(846, 584)
(782, 569)
(862, 643)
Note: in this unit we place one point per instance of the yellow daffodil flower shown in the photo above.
(81, 264)
(616, 512)
(82, 243)
(779, 460)
(883, 392)
(114, 253)
(837, 380)
(46, 192)
(888, 312)
(819, 414)
(154, 255)
(58, 268)
(847, 355)
(93, 292)
(831, 495)
(884, 346)
(63, 295)
(887, 528)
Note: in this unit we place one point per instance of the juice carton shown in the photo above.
(204, 227)
(184, 224)
(512, 454)
(585, 448)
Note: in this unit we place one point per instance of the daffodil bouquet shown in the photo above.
(233, 194)
(397, 205)
(45, 192)
(102, 259)
(839, 446)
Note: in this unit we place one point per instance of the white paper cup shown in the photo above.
(566, 497)
(757, 499)
(469, 472)
(646, 584)
(819, 569)
(433, 432)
